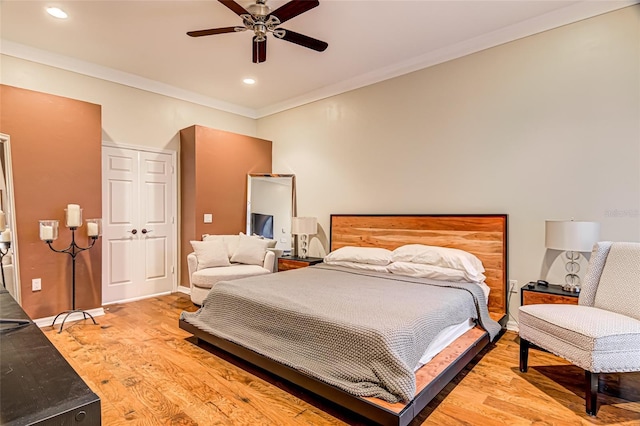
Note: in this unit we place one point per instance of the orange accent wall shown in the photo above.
(214, 166)
(56, 154)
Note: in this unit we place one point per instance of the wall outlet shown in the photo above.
(513, 286)
(36, 284)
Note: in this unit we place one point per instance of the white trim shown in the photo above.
(576, 12)
(138, 148)
(513, 326)
(183, 289)
(135, 299)
(8, 172)
(76, 316)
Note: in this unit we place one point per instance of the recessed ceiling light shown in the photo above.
(249, 81)
(57, 12)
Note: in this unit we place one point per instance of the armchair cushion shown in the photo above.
(209, 277)
(591, 338)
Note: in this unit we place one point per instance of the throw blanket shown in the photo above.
(362, 332)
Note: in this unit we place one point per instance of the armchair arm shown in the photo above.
(269, 261)
(192, 265)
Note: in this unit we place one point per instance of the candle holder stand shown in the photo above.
(5, 246)
(72, 251)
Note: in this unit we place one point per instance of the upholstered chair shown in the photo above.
(602, 333)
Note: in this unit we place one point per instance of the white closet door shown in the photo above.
(138, 224)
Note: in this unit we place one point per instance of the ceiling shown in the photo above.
(143, 43)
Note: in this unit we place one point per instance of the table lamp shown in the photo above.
(303, 227)
(574, 238)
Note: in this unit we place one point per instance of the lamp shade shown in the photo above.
(304, 225)
(569, 235)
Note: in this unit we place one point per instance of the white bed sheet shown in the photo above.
(449, 334)
(444, 339)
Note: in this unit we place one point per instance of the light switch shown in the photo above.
(208, 218)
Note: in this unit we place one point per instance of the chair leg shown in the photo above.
(524, 355)
(591, 394)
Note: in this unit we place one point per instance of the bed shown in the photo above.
(393, 399)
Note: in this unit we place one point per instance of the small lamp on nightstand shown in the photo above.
(303, 227)
(574, 238)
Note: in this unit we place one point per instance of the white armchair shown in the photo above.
(602, 333)
(202, 279)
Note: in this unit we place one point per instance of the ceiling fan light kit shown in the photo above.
(259, 18)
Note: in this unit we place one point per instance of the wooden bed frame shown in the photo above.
(483, 235)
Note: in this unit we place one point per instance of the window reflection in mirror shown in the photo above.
(270, 206)
(8, 240)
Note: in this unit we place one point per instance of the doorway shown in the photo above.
(139, 223)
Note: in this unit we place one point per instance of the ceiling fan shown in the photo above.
(261, 20)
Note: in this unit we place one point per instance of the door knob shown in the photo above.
(144, 231)
(133, 231)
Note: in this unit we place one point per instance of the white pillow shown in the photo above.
(369, 255)
(360, 266)
(421, 270)
(250, 251)
(230, 242)
(440, 256)
(272, 243)
(210, 254)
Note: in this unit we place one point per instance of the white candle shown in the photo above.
(92, 229)
(74, 218)
(3, 220)
(5, 236)
(46, 232)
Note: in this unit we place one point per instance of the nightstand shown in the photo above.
(552, 294)
(294, 262)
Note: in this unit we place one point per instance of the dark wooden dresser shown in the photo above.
(37, 385)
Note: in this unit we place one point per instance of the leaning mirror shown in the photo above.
(8, 241)
(270, 206)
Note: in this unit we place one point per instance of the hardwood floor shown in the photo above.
(147, 371)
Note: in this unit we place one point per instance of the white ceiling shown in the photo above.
(143, 43)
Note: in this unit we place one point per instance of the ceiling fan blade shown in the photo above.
(211, 31)
(304, 40)
(293, 9)
(259, 50)
(235, 7)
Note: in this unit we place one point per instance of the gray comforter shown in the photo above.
(363, 332)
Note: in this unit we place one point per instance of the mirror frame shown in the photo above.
(11, 214)
(293, 199)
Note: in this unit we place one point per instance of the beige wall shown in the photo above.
(547, 127)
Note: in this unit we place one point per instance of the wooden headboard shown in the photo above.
(483, 235)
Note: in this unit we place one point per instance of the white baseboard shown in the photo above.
(183, 289)
(48, 321)
(512, 326)
(134, 299)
